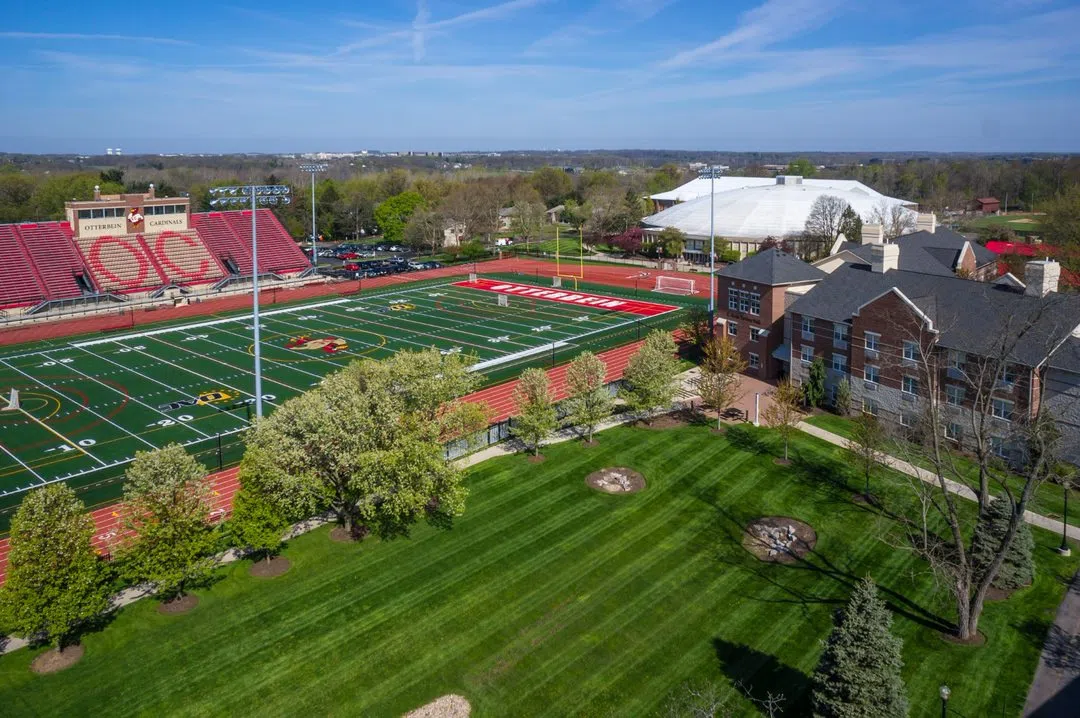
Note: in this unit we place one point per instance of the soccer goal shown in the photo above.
(675, 285)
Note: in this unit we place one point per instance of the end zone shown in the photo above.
(630, 306)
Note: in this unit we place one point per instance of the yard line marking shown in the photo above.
(39, 478)
(60, 436)
(200, 325)
(135, 399)
(88, 408)
(183, 351)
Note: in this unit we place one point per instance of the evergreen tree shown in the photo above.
(858, 675)
(54, 579)
(814, 386)
(851, 225)
(1018, 568)
(842, 400)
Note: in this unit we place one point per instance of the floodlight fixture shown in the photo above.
(313, 168)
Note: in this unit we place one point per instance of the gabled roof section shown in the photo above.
(930, 252)
(773, 267)
(971, 316)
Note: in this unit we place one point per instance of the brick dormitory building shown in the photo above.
(897, 320)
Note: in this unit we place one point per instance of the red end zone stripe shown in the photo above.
(630, 306)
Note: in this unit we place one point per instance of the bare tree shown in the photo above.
(895, 219)
(823, 224)
(959, 395)
(722, 365)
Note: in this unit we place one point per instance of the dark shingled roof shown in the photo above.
(773, 267)
(972, 316)
(1067, 358)
(928, 252)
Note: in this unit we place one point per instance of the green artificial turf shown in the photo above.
(1048, 499)
(91, 402)
(548, 598)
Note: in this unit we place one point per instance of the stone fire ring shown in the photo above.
(779, 539)
(616, 480)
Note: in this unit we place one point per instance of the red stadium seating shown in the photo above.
(51, 250)
(278, 252)
(221, 240)
(184, 258)
(120, 264)
(19, 281)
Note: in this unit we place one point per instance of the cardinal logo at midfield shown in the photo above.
(329, 345)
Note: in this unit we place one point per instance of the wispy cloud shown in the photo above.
(94, 64)
(769, 23)
(15, 35)
(419, 27)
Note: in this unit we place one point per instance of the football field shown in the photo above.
(86, 405)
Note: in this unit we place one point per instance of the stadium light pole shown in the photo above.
(313, 169)
(712, 250)
(265, 195)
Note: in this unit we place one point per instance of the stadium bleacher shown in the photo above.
(184, 258)
(44, 260)
(21, 284)
(277, 250)
(51, 249)
(222, 242)
(120, 264)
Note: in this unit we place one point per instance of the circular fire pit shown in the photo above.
(779, 539)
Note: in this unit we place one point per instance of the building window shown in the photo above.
(1002, 409)
(755, 333)
(839, 363)
(870, 374)
(1009, 376)
(84, 214)
(869, 406)
(807, 327)
(755, 303)
(732, 329)
(957, 360)
(872, 341)
(999, 447)
(952, 431)
(755, 361)
(807, 354)
(909, 385)
(911, 351)
(907, 419)
(733, 299)
(840, 332)
(954, 394)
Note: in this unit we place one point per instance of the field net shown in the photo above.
(675, 285)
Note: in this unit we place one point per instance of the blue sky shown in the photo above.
(964, 75)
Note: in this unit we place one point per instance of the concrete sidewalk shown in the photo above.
(930, 477)
(1055, 690)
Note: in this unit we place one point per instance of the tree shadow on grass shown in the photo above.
(757, 675)
(747, 438)
(728, 532)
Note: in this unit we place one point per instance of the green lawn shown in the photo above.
(1048, 500)
(1023, 223)
(548, 598)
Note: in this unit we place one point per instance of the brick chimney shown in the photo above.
(873, 234)
(926, 222)
(1041, 277)
(884, 257)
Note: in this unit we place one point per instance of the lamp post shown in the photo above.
(313, 169)
(944, 692)
(265, 195)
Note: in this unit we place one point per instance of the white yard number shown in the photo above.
(582, 318)
(545, 328)
(54, 363)
(195, 337)
(308, 317)
(499, 340)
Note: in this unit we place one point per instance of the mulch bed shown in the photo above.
(782, 462)
(768, 539)
(340, 534)
(866, 500)
(273, 568)
(53, 660)
(537, 459)
(978, 640)
(616, 480)
(590, 444)
(667, 421)
(177, 606)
